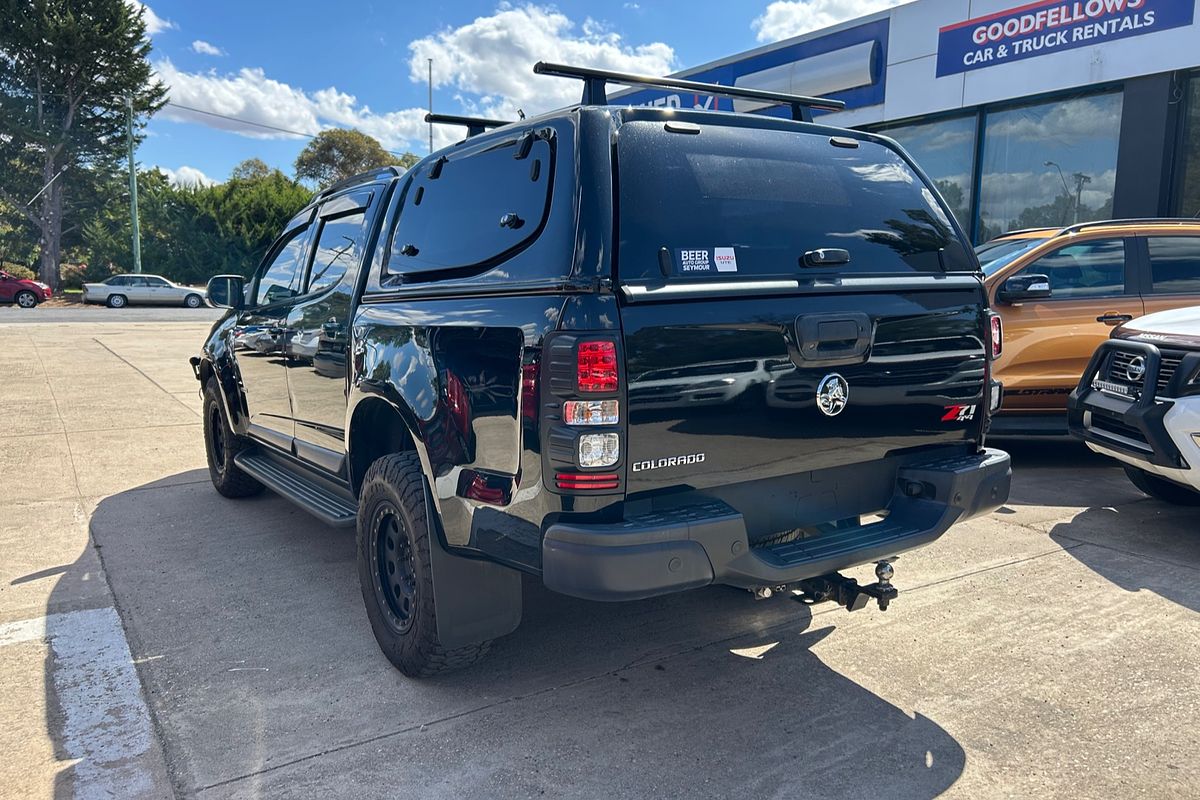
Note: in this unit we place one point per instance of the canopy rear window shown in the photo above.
(734, 202)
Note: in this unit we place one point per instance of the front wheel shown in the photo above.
(193, 301)
(221, 445)
(395, 571)
(1162, 489)
(117, 301)
(26, 299)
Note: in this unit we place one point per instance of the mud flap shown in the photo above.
(476, 600)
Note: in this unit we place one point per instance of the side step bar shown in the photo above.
(308, 493)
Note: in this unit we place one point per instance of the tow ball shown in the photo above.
(846, 592)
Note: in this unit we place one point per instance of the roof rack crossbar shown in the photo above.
(594, 81)
(1127, 221)
(474, 125)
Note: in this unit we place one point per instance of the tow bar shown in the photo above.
(846, 592)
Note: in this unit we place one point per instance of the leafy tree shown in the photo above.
(67, 70)
(249, 169)
(339, 153)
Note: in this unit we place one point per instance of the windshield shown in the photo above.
(730, 201)
(994, 255)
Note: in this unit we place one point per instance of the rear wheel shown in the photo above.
(193, 301)
(26, 299)
(117, 301)
(1162, 489)
(221, 445)
(395, 572)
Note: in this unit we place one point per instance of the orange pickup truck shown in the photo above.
(1060, 292)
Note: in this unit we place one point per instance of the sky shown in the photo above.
(303, 66)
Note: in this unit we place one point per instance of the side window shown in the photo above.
(120, 280)
(156, 282)
(1087, 269)
(469, 210)
(339, 250)
(1174, 264)
(137, 280)
(281, 279)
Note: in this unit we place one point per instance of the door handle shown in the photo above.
(1114, 319)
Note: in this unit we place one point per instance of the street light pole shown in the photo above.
(133, 208)
(1066, 192)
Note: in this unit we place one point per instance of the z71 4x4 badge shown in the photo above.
(959, 414)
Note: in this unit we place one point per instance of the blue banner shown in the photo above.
(1051, 26)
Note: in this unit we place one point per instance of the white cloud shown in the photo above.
(490, 60)
(186, 176)
(154, 23)
(205, 49)
(783, 19)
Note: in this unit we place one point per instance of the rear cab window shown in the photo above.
(726, 203)
(1174, 264)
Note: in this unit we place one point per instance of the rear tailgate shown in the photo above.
(729, 337)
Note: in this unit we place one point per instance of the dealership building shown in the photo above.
(1036, 114)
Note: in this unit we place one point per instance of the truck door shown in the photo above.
(1048, 342)
(318, 329)
(259, 338)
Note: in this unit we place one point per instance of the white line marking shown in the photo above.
(106, 725)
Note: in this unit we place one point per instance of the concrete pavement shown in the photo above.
(161, 639)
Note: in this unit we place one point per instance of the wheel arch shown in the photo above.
(377, 427)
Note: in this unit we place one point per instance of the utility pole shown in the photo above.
(430, 60)
(133, 211)
(1080, 179)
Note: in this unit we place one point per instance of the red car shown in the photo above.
(22, 291)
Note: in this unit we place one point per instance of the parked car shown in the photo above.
(1061, 291)
(22, 291)
(498, 327)
(122, 290)
(1139, 402)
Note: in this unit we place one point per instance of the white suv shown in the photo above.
(1139, 402)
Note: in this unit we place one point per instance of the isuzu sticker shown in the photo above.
(725, 258)
(689, 261)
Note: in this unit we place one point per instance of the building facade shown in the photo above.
(1025, 115)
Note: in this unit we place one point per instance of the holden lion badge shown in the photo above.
(832, 394)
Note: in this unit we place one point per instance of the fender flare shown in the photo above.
(368, 392)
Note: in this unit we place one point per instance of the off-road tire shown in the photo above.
(221, 445)
(393, 490)
(26, 299)
(193, 301)
(117, 301)
(1162, 489)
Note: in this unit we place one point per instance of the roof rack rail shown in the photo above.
(474, 125)
(1128, 221)
(594, 93)
(353, 180)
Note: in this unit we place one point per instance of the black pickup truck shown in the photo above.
(630, 351)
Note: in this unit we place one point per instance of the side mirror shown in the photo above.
(1022, 288)
(225, 291)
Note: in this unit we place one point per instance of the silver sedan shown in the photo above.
(121, 290)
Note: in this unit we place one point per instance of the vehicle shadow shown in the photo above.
(1082, 478)
(1148, 545)
(246, 622)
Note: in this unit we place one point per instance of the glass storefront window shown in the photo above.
(1189, 203)
(945, 149)
(1049, 164)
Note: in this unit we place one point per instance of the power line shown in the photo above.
(253, 123)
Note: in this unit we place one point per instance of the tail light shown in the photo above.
(587, 481)
(581, 413)
(596, 367)
(997, 334)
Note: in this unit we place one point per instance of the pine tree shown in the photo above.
(68, 68)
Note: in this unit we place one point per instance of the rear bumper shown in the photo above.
(680, 548)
